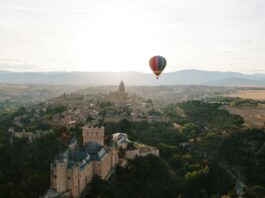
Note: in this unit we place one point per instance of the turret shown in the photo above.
(61, 175)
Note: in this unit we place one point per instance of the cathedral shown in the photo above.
(118, 96)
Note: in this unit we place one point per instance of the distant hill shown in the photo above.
(184, 77)
(236, 81)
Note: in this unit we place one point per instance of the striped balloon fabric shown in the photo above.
(157, 64)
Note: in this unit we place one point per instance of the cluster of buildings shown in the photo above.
(132, 107)
(82, 108)
(73, 116)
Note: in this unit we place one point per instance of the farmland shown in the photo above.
(248, 94)
(251, 106)
(254, 117)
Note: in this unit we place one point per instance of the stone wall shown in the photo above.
(91, 134)
(131, 154)
(106, 166)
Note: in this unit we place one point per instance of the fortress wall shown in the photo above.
(97, 168)
(85, 176)
(106, 165)
(131, 154)
(153, 152)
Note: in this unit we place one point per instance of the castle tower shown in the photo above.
(76, 189)
(59, 175)
(122, 87)
(91, 134)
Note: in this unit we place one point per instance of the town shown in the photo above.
(88, 144)
(73, 169)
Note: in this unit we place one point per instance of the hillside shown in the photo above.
(184, 77)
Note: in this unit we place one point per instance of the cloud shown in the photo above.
(18, 65)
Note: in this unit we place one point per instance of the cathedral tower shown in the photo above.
(122, 87)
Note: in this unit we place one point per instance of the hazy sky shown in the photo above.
(121, 35)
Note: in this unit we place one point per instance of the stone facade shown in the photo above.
(69, 177)
(93, 134)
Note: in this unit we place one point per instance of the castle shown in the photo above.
(74, 169)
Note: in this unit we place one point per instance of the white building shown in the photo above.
(121, 139)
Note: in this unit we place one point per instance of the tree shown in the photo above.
(99, 188)
(125, 125)
(255, 192)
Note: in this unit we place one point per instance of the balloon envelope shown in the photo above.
(157, 64)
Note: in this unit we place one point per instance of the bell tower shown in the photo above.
(122, 87)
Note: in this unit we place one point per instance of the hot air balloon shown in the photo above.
(157, 64)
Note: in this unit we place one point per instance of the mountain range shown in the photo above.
(183, 77)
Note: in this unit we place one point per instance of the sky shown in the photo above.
(122, 35)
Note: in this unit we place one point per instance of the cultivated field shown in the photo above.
(254, 116)
(248, 94)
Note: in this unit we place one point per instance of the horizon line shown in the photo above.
(65, 71)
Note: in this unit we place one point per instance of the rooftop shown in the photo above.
(95, 150)
(92, 151)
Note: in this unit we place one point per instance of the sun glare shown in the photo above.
(116, 39)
